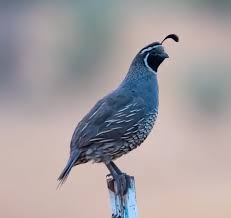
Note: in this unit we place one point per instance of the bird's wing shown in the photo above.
(112, 118)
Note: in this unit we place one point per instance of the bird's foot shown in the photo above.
(121, 183)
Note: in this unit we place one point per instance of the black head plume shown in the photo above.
(171, 36)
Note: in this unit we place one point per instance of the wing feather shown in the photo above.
(113, 118)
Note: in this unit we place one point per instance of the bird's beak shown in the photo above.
(162, 52)
(164, 55)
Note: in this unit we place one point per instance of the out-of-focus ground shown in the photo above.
(57, 59)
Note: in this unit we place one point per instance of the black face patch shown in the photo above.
(154, 61)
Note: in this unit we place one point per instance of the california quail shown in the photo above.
(122, 120)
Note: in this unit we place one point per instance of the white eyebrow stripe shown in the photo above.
(150, 48)
(146, 64)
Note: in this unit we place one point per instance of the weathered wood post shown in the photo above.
(123, 206)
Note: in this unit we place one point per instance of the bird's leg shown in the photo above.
(119, 177)
(123, 177)
(116, 168)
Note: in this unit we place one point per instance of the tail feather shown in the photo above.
(71, 162)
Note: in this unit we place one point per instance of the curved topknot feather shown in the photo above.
(171, 36)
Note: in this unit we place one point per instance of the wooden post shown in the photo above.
(123, 206)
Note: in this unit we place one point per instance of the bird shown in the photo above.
(122, 120)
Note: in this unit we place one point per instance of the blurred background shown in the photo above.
(58, 57)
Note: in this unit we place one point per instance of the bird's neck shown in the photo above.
(139, 75)
(143, 83)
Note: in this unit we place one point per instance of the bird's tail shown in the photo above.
(71, 162)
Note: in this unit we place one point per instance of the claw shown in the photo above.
(108, 175)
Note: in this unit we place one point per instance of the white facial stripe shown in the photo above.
(146, 64)
(150, 48)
